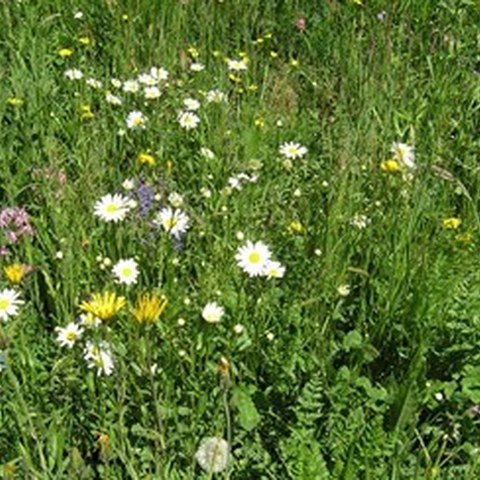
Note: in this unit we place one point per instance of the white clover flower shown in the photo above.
(131, 86)
(236, 65)
(274, 269)
(73, 74)
(174, 221)
(188, 120)
(213, 454)
(238, 328)
(68, 335)
(360, 221)
(9, 303)
(216, 96)
(293, 150)
(113, 99)
(77, 15)
(136, 120)
(253, 257)
(197, 67)
(212, 312)
(404, 154)
(112, 208)
(126, 271)
(191, 104)
(99, 356)
(152, 93)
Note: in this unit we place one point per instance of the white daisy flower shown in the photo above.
(136, 120)
(113, 99)
(159, 73)
(236, 65)
(92, 82)
(89, 320)
(197, 67)
(253, 257)
(128, 184)
(293, 150)
(191, 104)
(147, 79)
(9, 303)
(188, 120)
(126, 271)
(73, 74)
(99, 356)
(404, 154)
(152, 93)
(212, 312)
(216, 96)
(67, 336)
(213, 454)
(175, 200)
(274, 269)
(112, 208)
(174, 221)
(131, 86)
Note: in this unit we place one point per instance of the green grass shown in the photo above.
(381, 383)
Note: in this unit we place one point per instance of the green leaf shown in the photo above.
(352, 339)
(247, 414)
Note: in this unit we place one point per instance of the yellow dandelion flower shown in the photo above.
(296, 227)
(65, 52)
(146, 159)
(84, 41)
(103, 305)
(15, 272)
(390, 166)
(451, 223)
(14, 101)
(148, 309)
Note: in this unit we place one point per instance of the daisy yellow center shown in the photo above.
(111, 208)
(171, 222)
(254, 257)
(71, 336)
(4, 303)
(293, 150)
(127, 272)
(137, 121)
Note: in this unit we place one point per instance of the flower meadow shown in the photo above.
(239, 239)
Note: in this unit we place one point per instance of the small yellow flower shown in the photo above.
(296, 227)
(125, 17)
(358, 2)
(234, 78)
(243, 55)
(194, 53)
(451, 223)
(258, 41)
(169, 166)
(273, 54)
(65, 52)
(84, 40)
(86, 112)
(390, 166)
(252, 87)
(149, 308)
(268, 36)
(14, 101)
(103, 305)
(259, 122)
(15, 272)
(146, 159)
(216, 53)
(294, 63)
(465, 238)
